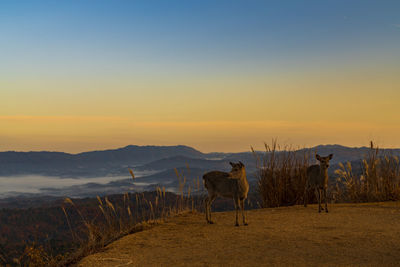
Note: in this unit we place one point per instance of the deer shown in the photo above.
(231, 184)
(317, 179)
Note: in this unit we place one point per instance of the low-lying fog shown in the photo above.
(36, 184)
(33, 183)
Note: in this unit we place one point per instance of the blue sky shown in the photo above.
(270, 62)
(191, 33)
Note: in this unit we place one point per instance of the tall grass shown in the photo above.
(281, 175)
(114, 219)
(378, 180)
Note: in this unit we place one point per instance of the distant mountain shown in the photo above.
(152, 165)
(139, 154)
(182, 161)
(144, 158)
(94, 163)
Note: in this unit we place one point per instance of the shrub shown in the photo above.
(379, 179)
(281, 175)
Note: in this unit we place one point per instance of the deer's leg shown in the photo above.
(243, 212)
(318, 195)
(320, 200)
(321, 195)
(326, 200)
(237, 205)
(210, 201)
(206, 207)
(305, 196)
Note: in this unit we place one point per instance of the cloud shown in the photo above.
(397, 25)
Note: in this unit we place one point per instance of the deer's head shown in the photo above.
(324, 161)
(236, 166)
(238, 169)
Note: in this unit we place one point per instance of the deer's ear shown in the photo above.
(318, 157)
(232, 164)
(330, 156)
(241, 163)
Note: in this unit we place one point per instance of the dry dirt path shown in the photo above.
(350, 234)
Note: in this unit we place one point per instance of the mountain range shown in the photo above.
(116, 161)
(152, 165)
(87, 164)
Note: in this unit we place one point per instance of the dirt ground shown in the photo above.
(349, 235)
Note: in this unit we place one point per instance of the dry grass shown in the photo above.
(379, 179)
(281, 175)
(132, 216)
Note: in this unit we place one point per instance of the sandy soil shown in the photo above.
(350, 234)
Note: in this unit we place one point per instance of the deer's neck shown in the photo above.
(243, 180)
(239, 175)
(324, 173)
(243, 175)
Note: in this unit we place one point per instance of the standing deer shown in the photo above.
(317, 179)
(231, 184)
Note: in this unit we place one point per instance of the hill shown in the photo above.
(115, 162)
(351, 234)
(106, 172)
(87, 164)
(181, 161)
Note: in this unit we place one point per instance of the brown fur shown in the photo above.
(231, 184)
(317, 179)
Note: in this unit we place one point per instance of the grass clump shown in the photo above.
(377, 180)
(281, 175)
(115, 217)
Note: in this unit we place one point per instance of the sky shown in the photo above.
(216, 75)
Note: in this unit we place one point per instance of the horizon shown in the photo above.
(205, 152)
(88, 75)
